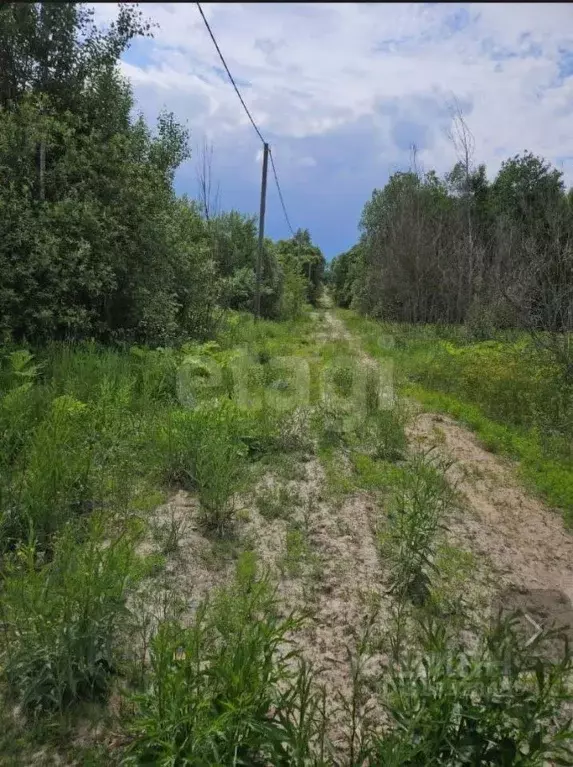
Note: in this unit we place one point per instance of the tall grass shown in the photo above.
(230, 689)
(89, 432)
(61, 621)
(409, 536)
(499, 704)
(506, 389)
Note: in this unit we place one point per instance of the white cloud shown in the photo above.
(307, 69)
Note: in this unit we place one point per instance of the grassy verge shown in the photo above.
(505, 390)
(95, 439)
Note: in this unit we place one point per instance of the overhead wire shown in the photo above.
(229, 73)
(253, 123)
(280, 193)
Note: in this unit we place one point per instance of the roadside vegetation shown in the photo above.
(218, 545)
(107, 441)
(466, 284)
(511, 392)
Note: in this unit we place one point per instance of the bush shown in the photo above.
(62, 621)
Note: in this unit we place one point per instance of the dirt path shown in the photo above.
(524, 552)
(520, 546)
(523, 542)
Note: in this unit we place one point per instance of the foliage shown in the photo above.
(227, 690)
(301, 256)
(344, 271)
(65, 456)
(416, 513)
(499, 704)
(462, 249)
(62, 620)
(94, 242)
(507, 389)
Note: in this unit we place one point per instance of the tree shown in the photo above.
(460, 249)
(307, 258)
(89, 245)
(343, 273)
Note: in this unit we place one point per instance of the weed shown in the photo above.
(297, 549)
(338, 480)
(342, 379)
(382, 433)
(288, 466)
(498, 705)
(61, 621)
(329, 424)
(506, 389)
(264, 357)
(276, 502)
(203, 448)
(357, 706)
(417, 512)
(218, 474)
(227, 689)
(454, 568)
(372, 474)
(169, 532)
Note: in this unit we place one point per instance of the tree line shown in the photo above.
(94, 242)
(462, 249)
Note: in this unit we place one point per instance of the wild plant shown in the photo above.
(500, 704)
(383, 432)
(61, 621)
(416, 513)
(277, 502)
(230, 689)
(203, 449)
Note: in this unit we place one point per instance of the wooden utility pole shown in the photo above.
(44, 77)
(261, 231)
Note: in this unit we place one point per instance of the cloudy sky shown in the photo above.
(342, 91)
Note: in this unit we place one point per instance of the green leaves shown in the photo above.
(497, 705)
(417, 511)
(229, 689)
(61, 620)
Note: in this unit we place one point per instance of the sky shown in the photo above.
(341, 91)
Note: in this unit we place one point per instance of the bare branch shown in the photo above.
(209, 202)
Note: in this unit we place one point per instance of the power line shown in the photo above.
(280, 193)
(228, 72)
(249, 116)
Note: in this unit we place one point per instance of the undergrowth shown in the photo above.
(93, 436)
(508, 390)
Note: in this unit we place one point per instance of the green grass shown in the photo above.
(277, 502)
(550, 476)
(509, 392)
(94, 438)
